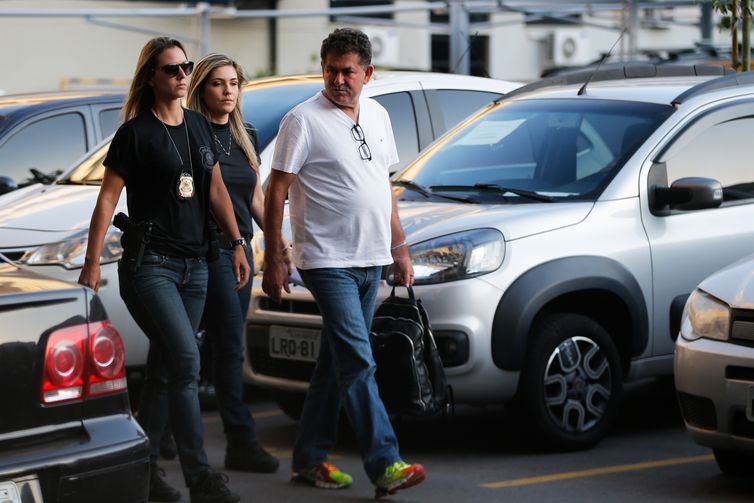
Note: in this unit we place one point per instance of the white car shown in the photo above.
(46, 226)
(555, 237)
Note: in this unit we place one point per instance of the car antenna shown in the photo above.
(604, 58)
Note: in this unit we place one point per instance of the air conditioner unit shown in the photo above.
(568, 48)
(385, 45)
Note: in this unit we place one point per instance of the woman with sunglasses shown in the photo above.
(215, 92)
(166, 157)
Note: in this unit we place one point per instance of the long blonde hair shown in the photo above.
(140, 95)
(199, 78)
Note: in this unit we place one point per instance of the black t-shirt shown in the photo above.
(239, 177)
(144, 155)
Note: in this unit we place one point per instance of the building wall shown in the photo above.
(56, 50)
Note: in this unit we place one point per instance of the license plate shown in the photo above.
(750, 404)
(292, 343)
(9, 493)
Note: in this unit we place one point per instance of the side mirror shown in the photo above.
(7, 184)
(687, 194)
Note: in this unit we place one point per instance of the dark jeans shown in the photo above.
(225, 322)
(344, 374)
(166, 298)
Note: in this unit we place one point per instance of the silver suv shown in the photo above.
(556, 235)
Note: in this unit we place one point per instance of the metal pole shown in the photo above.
(633, 41)
(204, 27)
(459, 38)
(706, 23)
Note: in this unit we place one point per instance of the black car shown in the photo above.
(66, 429)
(43, 134)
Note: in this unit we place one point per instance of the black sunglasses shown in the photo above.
(172, 70)
(358, 135)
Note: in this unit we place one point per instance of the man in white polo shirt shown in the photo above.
(332, 156)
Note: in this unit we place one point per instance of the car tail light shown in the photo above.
(83, 361)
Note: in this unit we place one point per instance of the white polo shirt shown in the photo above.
(340, 204)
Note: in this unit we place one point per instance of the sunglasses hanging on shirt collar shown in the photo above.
(358, 135)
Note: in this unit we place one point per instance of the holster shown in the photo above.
(135, 239)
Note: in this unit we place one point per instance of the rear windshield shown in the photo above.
(567, 149)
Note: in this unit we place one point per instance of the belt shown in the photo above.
(224, 242)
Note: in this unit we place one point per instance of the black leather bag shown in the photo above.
(410, 375)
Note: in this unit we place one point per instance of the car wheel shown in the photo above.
(734, 463)
(571, 381)
(291, 403)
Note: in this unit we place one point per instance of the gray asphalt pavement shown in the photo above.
(478, 456)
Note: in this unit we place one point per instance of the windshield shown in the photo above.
(265, 106)
(560, 149)
(90, 170)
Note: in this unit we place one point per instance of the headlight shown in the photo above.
(705, 316)
(457, 256)
(70, 253)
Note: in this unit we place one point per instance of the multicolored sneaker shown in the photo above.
(399, 475)
(324, 475)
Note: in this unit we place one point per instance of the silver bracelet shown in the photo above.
(403, 243)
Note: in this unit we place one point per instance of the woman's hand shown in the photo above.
(241, 267)
(90, 275)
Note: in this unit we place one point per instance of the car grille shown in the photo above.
(698, 411)
(289, 306)
(738, 373)
(14, 255)
(742, 330)
(741, 426)
(262, 363)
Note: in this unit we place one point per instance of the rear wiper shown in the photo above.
(421, 189)
(497, 188)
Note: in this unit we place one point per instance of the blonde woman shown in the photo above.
(166, 157)
(215, 92)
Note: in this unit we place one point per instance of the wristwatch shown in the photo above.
(239, 242)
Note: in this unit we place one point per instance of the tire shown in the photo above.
(291, 403)
(734, 463)
(571, 383)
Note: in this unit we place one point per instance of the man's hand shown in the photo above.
(403, 270)
(275, 279)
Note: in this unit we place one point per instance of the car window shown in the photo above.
(560, 148)
(400, 107)
(457, 104)
(716, 152)
(109, 120)
(265, 106)
(40, 151)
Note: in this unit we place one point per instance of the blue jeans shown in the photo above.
(344, 374)
(166, 297)
(225, 320)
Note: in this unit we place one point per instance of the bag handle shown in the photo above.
(410, 291)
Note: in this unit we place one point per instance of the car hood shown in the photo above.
(427, 220)
(734, 284)
(46, 213)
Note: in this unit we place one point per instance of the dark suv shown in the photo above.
(66, 429)
(42, 134)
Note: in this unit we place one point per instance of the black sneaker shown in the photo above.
(211, 488)
(168, 449)
(159, 490)
(250, 457)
